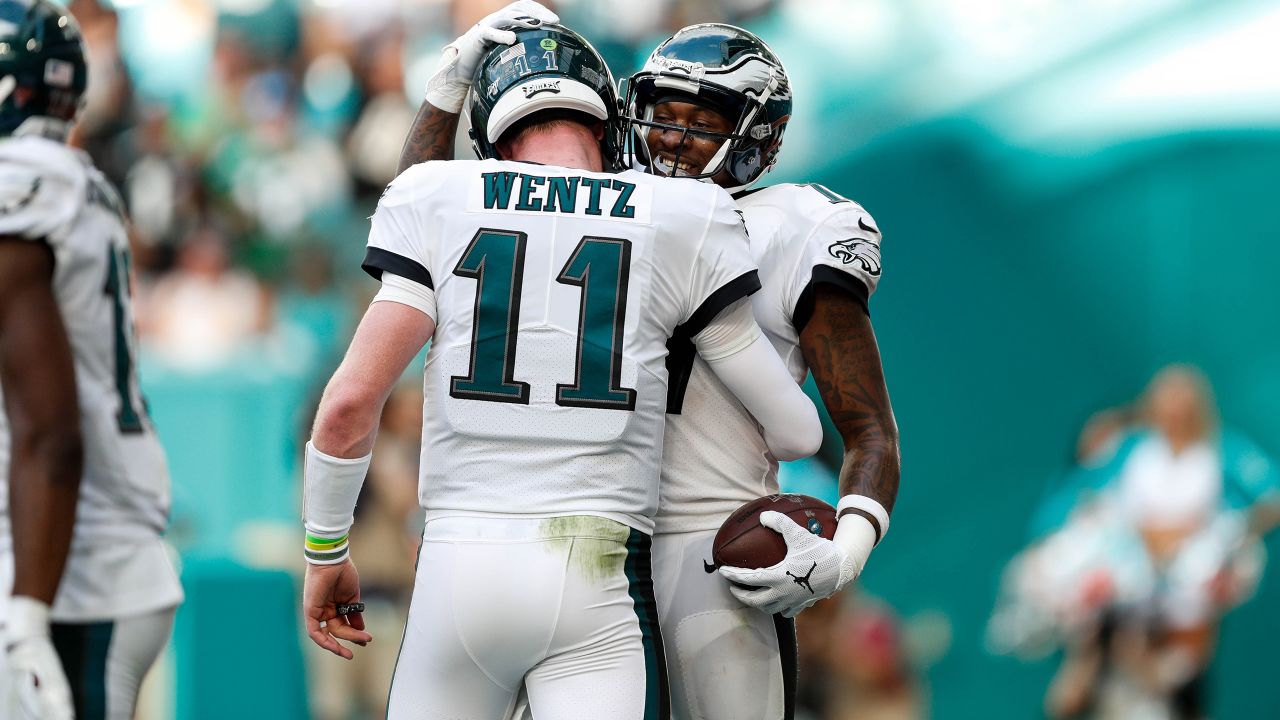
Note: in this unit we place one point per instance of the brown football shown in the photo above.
(743, 542)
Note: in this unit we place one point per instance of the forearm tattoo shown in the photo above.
(840, 347)
(430, 138)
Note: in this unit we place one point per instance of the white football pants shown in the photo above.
(727, 661)
(563, 606)
(106, 661)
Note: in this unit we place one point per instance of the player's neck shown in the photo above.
(566, 146)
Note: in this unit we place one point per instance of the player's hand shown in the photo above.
(324, 588)
(814, 569)
(38, 687)
(448, 87)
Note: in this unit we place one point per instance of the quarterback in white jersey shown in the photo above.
(712, 102)
(116, 597)
(550, 292)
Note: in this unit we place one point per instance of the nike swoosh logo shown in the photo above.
(707, 567)
(862, 224)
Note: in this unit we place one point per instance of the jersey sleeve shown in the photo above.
(723, 271)
(842, 250)
(42, 191)
(399, 242)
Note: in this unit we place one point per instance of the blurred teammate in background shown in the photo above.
(712, 103)
(88, 482)
(550, 295)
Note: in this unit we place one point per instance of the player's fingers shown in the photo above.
(537, 9)
(772, 576)
(775, 600)
(785, 526)
(496, 36)
(534, 10)
(738, 575)
(355, 620)
(338, 628)
(323, 639)
(742, 595)
(312, 620)
(755, 597)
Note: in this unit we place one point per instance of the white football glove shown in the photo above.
(38, 688)
(814, 569)
(448, 87)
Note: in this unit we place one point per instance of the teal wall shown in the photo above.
(1023, 292)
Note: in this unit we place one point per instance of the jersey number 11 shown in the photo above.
(600, 266)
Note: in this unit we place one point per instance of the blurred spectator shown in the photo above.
(313, 302)
(109, 110)
(855, 664)
(1177, 434)
(1158, 542)
(202, 314)
(373, 149)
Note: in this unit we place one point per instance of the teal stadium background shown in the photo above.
(1033, 275)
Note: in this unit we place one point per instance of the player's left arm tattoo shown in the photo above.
(840, 348)
(430, 138)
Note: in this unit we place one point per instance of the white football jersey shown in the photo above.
(52, 193)
(557, 292)
(715, 458)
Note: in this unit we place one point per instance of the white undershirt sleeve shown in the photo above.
(731, 331)
(745, 361)
(398, 289)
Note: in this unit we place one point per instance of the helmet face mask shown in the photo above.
(725, 69)
(549, 71)
(42, 68)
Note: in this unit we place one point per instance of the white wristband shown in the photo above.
(869, 509)
(856, 536)
(27, 618)
(330, 488)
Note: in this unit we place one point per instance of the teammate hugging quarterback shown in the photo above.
(551, 284)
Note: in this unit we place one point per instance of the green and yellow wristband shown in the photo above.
(322, 550)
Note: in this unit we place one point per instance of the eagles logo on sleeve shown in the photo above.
(856, 250)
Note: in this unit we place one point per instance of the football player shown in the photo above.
(83, 568)
(550, 291)
(712, 103)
